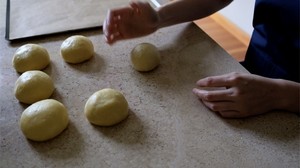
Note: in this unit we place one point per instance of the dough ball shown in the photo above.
(77, 49)
(33, 86)
(44, 120)
(106, 107)
(30, 57)
(145, 57)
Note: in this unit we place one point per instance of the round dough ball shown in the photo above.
(33, 86)
(145, 57)
(77, 49)
(30, 57)
(44, 120)
(106, 107)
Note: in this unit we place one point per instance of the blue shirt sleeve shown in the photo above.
(274, 47)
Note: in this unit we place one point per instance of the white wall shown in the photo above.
(240, 12)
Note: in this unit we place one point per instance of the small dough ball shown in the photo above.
(106, 107)
(44, 120)
(33, 86)
(77, 49)
(145, 57)
(30, 57)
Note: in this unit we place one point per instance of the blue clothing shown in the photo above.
(274, 49)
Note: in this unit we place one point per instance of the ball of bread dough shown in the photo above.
(77, 49)
(33, 86)
(30, 57)
(44, 120)
(145, 57)
(106, 107)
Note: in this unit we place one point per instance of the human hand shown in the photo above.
(243, 94)
(138, 19)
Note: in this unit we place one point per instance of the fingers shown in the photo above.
(216, 81)
(112, 23)
(231, 114)
(219, 106)
(110, 27)
(220, 101)
(136, 7)
(113, 38)
(214, 95)
(139, 5)
(225, 109)
(226, 80)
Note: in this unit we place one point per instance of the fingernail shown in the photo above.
(194, 91)
(111, 37)
(105, 38)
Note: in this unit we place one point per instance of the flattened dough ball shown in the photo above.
(77, 49)
(106, 107)
(145, 57)
(30, 57)
(44, 120)
(33, 86)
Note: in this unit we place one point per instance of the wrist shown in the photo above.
(161, 17)
(288, 94)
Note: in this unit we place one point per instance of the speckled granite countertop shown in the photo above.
(167, 125)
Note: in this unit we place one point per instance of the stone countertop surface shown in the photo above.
(167, 125)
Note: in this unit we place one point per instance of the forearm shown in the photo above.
(180, 11)
(288, 95)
